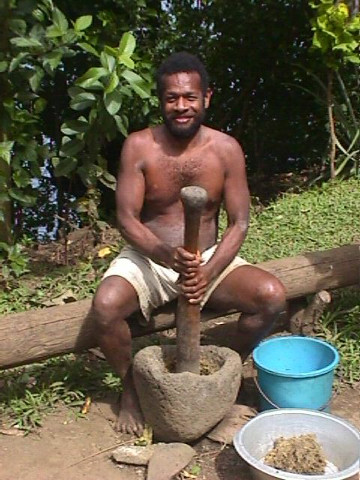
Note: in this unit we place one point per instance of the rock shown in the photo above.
(237, 417)
(181, 407)
(133, 454)
(168, 460)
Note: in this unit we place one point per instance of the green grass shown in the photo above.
(40, 291)
(317, 219)
(340, 325)
(31, 392)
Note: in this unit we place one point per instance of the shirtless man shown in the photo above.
(155, 164)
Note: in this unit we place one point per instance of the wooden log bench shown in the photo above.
(39, 334)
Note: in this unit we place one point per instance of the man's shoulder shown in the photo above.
(137, 144)
(139, 137)
(222, 140)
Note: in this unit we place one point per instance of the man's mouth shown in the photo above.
(182, 119)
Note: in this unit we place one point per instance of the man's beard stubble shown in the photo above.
(183, 131)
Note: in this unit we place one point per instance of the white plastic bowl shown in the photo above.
(339, 439)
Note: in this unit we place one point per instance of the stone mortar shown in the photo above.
(181, 407)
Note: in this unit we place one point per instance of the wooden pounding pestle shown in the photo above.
(194, 200)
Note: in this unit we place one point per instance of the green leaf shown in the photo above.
(120, 125)
(108, 180)
(82, 101)
(137, 83)
(38, 32)
(64, 166)
(74, 91)
(25, 42)
(126, 91)
(60, 20)
(95, 85)
(70, 37)
(15, 62)
(3, 66)
(38, 15)
(111, 51)
(52, 59)
(21, 178)
(35, 79)
(54, 31)
(72, 147)
(88, 48)
(73, 127)
(140, 90)
(127, 61)
(4, 246)
(82, 23)
(21, 197)
(127, 44)
(353, 59)
(113, 83)
(91, 76)
(132, 77)
(107, 61)
(17, 26)
(40, 105)
(113, 102)
(5, 151)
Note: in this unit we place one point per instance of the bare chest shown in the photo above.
(165, 176)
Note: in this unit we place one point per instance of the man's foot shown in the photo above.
(130, 419)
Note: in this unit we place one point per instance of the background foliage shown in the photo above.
(76, 77)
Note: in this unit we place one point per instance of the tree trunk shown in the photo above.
(5, 170)
(331, 123)
(39, 334)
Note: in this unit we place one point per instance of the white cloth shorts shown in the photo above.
(154, 284)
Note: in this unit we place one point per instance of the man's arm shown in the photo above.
(130, 192)
(236, 204)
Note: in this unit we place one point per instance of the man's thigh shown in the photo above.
(244, 289)
(117, 294)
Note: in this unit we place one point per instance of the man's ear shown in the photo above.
(207, 98)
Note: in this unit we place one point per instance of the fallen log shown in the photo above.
(306, 320)
(38, 334)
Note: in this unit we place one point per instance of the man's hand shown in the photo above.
(186, 263)
(194, 287)
(194, 276)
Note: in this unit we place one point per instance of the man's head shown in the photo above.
(182, 83)
(181, 62)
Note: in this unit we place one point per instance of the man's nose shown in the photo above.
(181, 104)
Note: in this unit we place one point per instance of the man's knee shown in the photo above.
(272, 296)
(112, 303)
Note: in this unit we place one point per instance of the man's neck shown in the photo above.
(181, 144)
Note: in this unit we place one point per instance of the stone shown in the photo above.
(181, 407)
(133, 454)
(238, 416)
(168, 460)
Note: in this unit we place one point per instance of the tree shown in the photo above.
(51, 67)
(337, 37)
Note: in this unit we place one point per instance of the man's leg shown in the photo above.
(114, 301)
(258, 295)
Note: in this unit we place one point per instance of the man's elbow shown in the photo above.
(124, 227)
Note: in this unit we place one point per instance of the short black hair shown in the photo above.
(181, 62)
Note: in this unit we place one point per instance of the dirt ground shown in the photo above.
(75, 449)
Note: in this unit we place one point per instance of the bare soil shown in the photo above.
(66, 448)
(69, 448)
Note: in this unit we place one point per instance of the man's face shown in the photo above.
(183, 104)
